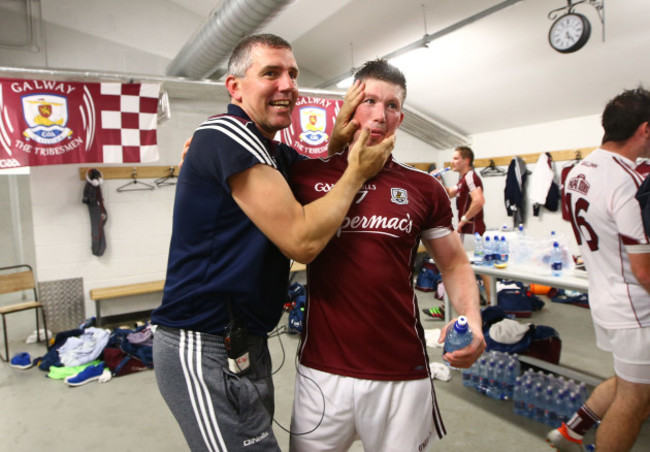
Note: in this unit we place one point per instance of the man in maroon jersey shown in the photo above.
(468, 192)
(363, 347)
(469, 198)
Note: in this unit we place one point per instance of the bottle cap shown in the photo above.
(555, 244)
(461, 324)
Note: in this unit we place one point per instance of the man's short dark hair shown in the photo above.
(381, 69)
(625, 113)
(240, 59)
(466, 153)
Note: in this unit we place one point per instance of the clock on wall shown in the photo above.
(569, 33)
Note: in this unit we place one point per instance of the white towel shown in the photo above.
(440, 371)
(541, 180)
(431, 336)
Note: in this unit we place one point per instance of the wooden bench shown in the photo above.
(109, 293)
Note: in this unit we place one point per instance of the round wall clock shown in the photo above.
(569, 33)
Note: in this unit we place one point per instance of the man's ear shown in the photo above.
(232, 85)
(400, 120)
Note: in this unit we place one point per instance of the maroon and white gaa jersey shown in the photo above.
(467, 184)
(362, 316)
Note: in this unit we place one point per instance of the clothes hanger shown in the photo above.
(492, 170)
(575, 161)
(139, 185)
(167, 180)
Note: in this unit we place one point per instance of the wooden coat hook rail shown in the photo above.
(128, 172)
(558, 156)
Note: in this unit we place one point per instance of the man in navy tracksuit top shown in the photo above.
(235, 225)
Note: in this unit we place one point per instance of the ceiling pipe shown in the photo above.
(210, 47)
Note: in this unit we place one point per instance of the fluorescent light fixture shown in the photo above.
(346, 82)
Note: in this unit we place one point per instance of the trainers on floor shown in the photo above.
(21, 361)
(90, 373)
(559, 439)
(437, 312)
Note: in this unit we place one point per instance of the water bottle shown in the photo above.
(512, 374)
(459, 337)
(440, 172)
(550, 410)
(502, 382)
(504, 249)
(582, 393)
(487, 251)
(479, 249)
(556, 260)
(518, 397)
(476, 377)
(492, 390)
(496, 255)
(468, 375)
(529, 399)
(538, 398)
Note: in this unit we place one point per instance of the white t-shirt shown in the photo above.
(606, 219)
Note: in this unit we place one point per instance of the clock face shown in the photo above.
(569, 33)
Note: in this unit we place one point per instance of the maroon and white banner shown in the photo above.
(44, 122)
(312, 122)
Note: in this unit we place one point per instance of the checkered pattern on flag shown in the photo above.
(45, 122)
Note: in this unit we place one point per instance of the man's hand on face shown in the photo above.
(345, 125)
(186, 147)
(369, 160)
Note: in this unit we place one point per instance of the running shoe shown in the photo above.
(560, 439)
(437, 312)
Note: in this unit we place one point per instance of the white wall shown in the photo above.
(138, 227)
(558, 135)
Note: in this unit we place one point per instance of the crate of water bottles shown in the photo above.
(546, 398)
(494, 374)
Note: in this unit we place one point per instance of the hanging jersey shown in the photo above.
(216, 252)
(566, 209)
(361, 304)
(466, 185)
(606, 220)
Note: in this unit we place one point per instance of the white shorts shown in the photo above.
(631, 350)
(398, 416)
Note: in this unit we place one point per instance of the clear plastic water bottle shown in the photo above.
(504, 249)
(540, 395)
(440, 172)
(459, 337)
(518, 397)
(492, 390)
(476, 377)
(479, 248)
(550, 410)
(556, 260)
(487, 251)
(512, 373)
(502, 381)
(529, 399)
(496, 255)
(468, 375)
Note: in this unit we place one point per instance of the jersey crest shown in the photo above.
(399, 196)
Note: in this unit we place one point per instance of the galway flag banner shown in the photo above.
(312, 122)
(44, 122)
